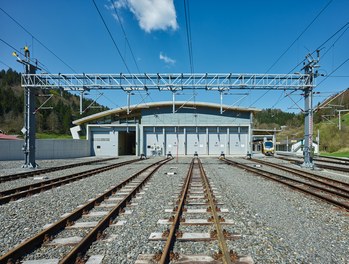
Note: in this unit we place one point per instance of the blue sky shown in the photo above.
(227, 36)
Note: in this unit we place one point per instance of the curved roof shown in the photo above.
(123, 110)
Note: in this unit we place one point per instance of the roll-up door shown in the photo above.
(154, 141)
(175, 141)
(238, 137)
(217, 140)
(196, 140)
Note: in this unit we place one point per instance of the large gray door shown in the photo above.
(217, 140)
(104, 142)
(175, 141)
(154, 141)
(238, 137)
(196, 140)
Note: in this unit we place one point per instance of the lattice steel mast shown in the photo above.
(29, 111)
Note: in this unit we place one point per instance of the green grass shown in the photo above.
(339, 154)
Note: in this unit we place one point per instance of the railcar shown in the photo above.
(268, 148)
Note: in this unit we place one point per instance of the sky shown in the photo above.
(151, 36)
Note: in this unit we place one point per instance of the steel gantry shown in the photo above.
(221, 82)
(167, 82)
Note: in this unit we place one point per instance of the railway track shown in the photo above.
(335, 160)
(331, 191)
(112, 203)
(32, 173)
(298, 161)
(307, 174)
(195, 191)
(31, 189)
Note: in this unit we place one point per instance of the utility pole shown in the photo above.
(308, 109)
(29, 112)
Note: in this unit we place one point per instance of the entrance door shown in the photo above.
(127, 143)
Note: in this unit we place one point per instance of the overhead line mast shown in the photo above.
(29, 111)
(310, 69)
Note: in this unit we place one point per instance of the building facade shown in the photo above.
(181, 128)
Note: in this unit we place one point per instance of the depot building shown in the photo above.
(162, 128)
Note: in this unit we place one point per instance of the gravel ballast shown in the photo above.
(23, 218)
(277, 224)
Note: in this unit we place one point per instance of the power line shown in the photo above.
(344, 27)
(123, 30)
(189, 43)
(116, 46)
(344, 62)
(278, 59)
(340, 36)
(111, 36)
(300, 35)
(54, 54)
(188, 31)
(322, 45)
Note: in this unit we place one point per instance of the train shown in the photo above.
(268, 148)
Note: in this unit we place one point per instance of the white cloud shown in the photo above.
(167, 59)
(152, 14)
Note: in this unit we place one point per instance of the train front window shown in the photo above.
(268, 144)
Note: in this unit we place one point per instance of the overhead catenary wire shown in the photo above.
(289, 47)
(300, 35)
(111, 36)
(125, 36)
(190, 45)
(338, 67)
(343, 28)
(188, 32)
(33, 37)
(114, 42)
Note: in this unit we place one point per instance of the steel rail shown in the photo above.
(286, 181)
(27, 190)
(335, 168)
(165, 257)
(311, 176)
(36, 241)
(21, 175)
(221, 240)
(335, 160)
(82, 247)
(323, 166)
